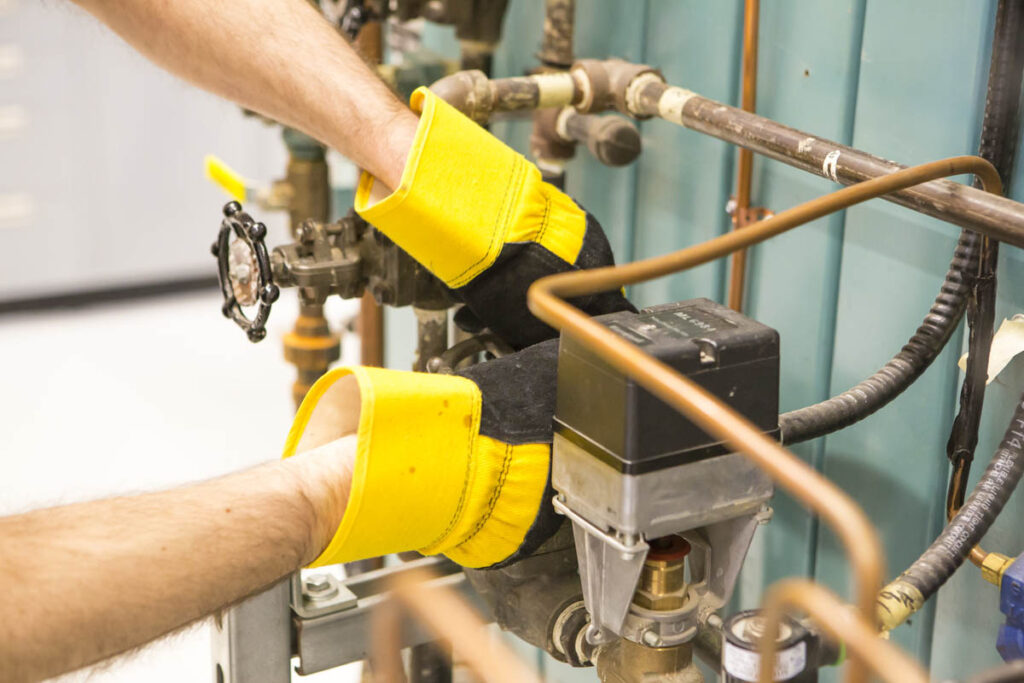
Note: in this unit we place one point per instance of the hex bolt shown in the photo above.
(320, 587)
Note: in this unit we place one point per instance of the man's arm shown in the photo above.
(281, 59)
(87, 581)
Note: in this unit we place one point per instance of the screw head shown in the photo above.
(258, 231)
(651, 639)
(270, 294)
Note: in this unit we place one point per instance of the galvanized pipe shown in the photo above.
(968, 207)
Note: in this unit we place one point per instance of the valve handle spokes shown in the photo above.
(243, 268)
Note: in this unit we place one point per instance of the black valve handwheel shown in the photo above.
(239, 226)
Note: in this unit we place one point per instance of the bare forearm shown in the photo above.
(87, 581)
(279, 58)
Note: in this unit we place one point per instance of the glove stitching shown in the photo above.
(503, 216)
(544, 221)
(506, 465)
(465, 481)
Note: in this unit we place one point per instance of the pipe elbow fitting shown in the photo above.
(468, 91)
(607, 84)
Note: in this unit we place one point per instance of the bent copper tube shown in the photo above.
(451, 619)
(546, 299)
(886, 660)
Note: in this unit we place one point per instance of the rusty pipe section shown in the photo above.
(547, 300)
(479, 97)
(556, 47)
(968, 207)
(593, 86)
(834, 617)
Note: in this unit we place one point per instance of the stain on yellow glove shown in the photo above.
(426, 478)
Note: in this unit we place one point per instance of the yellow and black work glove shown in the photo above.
(476, 214)
(452, 464)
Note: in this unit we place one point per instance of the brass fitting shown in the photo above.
(662, 584)
(311, 347)
(994, 566)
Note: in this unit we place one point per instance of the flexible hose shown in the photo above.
(905, 367)
(998, 144)
(963, 532)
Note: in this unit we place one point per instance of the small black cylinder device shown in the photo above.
(797, 651)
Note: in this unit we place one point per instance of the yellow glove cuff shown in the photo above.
(465, 194)
(424, 478)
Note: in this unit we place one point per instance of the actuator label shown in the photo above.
(746, 665)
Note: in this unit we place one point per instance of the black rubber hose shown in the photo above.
(970, 524)
(905, 367)
(998, 145)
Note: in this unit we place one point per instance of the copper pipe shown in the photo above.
(741, 216)
(386, 636)
(821, 496)
(451, 619)
(883, 658)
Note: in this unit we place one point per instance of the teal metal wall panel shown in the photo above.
(807, 79)
(684, 178)
(915, 102)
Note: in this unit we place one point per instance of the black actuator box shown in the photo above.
(624, 425)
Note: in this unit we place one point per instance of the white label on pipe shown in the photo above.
(746, 665)
(670, 106)
(555, 90)
(830, 167)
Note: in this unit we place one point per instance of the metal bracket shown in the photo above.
(608, 592)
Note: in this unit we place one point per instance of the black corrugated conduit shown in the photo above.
(854, 404)
(921, 580)
(969, 522)
(998, 146)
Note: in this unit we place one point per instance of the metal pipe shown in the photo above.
(968, 207)
(640, 91)
(741, 216)
(556, 48)
(886, 660)
(546, 299)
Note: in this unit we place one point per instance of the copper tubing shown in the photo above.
(883, 658)
(451, 619)
(821, 496)
(745, 166)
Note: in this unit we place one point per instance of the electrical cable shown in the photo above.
(546, 299)
(998, 142)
